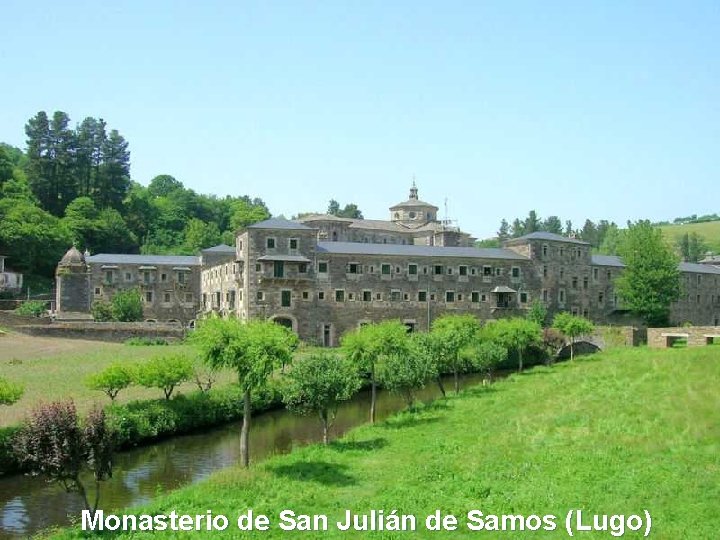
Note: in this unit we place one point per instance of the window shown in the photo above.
(385, 269)
(561, 296)
(574, 311)
(562, 252)
(322, 268)
(285, 297)
(97, 291)
(378, 296)
(574, 282)
(449, 296)
(462, 270)
(240, 245)
(109, 276)
(305, 295)
(601, 298)
(351, 297)
(515, 272)
(339, 295)
(181, 277)
(585, 282)
(609, 275)
(487, 271)
(163, 277)
(475, 296)
(498, 271)
(397, 269)
(278, 269)
(432, 297)
(321, 295)
(596, 273)
(258, 267)
(270, 243)
(422, 296)
(302, 268)
(412, 269)
(128, 276)
(523, 298)
(449, 270)
(354, 268)
(148, 296)
(586, 313)
(188, 297)
(166, 297)
(395, 295)
(293, 243)
(545, 271)
(438, 269)
(545, 250)
(366, 296)
(545, 295)
(473, 271)
(260, 296)
(483, 297)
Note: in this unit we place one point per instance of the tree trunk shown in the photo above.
(245, 431)
(456, 375)
(572, 352)
(325, 427)
(441, 386)
(520, 361)
(373, 395)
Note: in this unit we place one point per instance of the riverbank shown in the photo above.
(616, 433)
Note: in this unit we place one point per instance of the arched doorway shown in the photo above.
(285, 321)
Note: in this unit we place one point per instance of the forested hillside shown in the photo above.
(72, 184)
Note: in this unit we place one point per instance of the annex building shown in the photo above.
(323, 275)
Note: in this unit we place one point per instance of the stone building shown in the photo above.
(9, 281)
(322, 276)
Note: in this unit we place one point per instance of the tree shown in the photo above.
(318, 384)
(517, 229)
(6, 166)
(692, 247)
(611, 240)
(164, 372)
(333, 207)
(589, 233)
(200, 235)
(111, 380)
(246, 212)
(485, 356)
(568, 228)
(515, 335)
(572, 327)
(54, 443)
(164, 185)
(403, 374)
(9, 392)
(537, 313)
(253, 349)
(350, 211)
(452, 334)
(651, 279)
(552, 224)
(369, 345)
(532, 223)
(503, 233)
(127, 305)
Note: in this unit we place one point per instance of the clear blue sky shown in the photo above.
(604, 109)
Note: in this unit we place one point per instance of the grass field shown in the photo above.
(54, 368)
(710, 231)
(616, 433)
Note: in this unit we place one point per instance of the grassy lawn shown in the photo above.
(54, 368)
(616, 433)
(710, 231)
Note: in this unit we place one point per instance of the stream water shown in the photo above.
(29, 504)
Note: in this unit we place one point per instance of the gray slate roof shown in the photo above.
(279, 223)
(607, 260)
(221, 248)
(167, 260)
(699, 268)
(411, 203)
(542, 235)
(360, 248)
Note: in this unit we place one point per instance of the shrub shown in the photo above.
(32, 308)
(111, 380)
(146, 341)
(9, 392)
(164, 372)
(8, 462)
(487, 356)
(127, 306)
(101, 311)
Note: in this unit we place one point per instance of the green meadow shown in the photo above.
(612, 434)
(709, 231)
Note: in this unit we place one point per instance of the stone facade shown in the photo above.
(696, 336)
(323, 275)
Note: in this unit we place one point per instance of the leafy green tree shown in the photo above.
(245, 212)
(517, 228)
(552, 224)
(503, 233)
(333, 207)
(568, 228)
(485, 356)
(111, 380)
(317, 384)
(6, 166)
(692, 247)
(532, 223)
(515, 335)
(253, 349)
(127, 305)
(164, 372)
(572, 327)
(55, 444)
(452, 334)
(114, 181)
(650, 282)
(350, 211)
(537, 313)
(611, 240)
(370, 345)
(9, 392)
(101, 311)
(164, 185)
(405, 373)
(200, 235)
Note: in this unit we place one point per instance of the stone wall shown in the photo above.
(697, 336)
(113, 331)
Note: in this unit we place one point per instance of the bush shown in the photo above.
(111, 380)
(8, 462)
(32, 308)
(127, 306)
(146, 341)
(102, 311)
(9, 392)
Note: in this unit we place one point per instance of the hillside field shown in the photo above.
(710, 231)
(616, 433)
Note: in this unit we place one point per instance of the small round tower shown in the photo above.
(72, 285)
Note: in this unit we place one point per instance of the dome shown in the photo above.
(73, 257)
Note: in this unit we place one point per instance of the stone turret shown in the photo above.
(73, 298)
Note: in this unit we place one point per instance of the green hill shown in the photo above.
(616, 434)
(709, 231)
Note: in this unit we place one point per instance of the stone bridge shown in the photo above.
(604, 337)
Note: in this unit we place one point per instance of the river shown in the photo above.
(29, 504)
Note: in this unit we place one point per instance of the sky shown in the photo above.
(600, 110)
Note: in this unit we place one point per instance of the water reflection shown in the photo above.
(30, 504)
